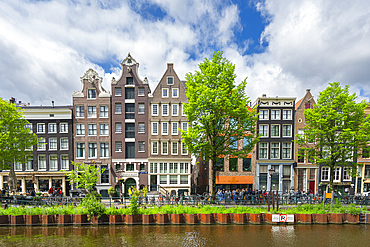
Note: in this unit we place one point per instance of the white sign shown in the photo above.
(283, 218)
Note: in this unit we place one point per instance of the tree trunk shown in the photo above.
(212, 186)
(331, 187)
(12, 182)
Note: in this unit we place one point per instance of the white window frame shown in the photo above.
(287, 110)
(173, 92)
(164, 148)
(29, 127)
(153, 124)
(273, 125)
(154, 146)
(100, 111)
(263, 148)
(273, 117)
(61, 145)
(141, 108)
(88, 93)
(28, 159)
(175, 106)
(96, 150)
(43, 128)
(81, 130)
(105, 129)
(184, 148)
(50, 127)
(63, 127)
(106, 146)
(84, 150)
(262, 116)
(41, 145)
(78, 111)
(167, 106)
(53, 141)
(174, 129)
(184, 124)
(290, 130)
(327, 169)
(165, 129)
(61, 162)
(141, 147)
(346, 174)
(262, 126)
(287, 147)
(163, 92)
(174, 144)
(38, 163)
(56, 160)
(88, 129)
(173, 80)
(337, 173)
(271, 147)
(155, 106)
(91, 115)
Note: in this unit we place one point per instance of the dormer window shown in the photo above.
(91, 93)
(170, 80)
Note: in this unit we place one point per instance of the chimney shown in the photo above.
(170, 66)
(308, 90)
(52, 103)
(263, 95)
(12, 100)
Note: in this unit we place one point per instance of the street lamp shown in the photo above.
(271, 171)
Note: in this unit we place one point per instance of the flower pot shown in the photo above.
(191, 218)
(17, 219)
(64, 220)
(206, 218)
(80, 219)
(239, 218)
(222, 218)
(336, 218)
(4, 219)
(304, 218)
(48, 219)
(148, 219)
(115, 219)
(351, 219)
(320, 218)
(162, 219)
(177, 218)
(132, 219)
(255, 218)
(103, 219)
(32, 220)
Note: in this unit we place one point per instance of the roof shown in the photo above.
(298, 104)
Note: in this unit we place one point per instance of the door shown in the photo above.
(153, 183)
(128, 183)
(312, 187)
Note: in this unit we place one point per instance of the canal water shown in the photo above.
(188, 235)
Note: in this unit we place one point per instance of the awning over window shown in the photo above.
(234, 179)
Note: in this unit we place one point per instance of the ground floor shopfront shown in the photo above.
(306, 179)
(39, 181)
(234, 182)
(362, 184)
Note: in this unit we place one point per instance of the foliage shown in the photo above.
(134, 202)
(338, 127)
(112, 191)
(218, 112)
(145, 191)
(93, 206)
(85, 176)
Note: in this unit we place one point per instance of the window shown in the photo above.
(29, 163)
(287, 130)
(118, 167)
(118, 146)
(286, 171)
(18, 166)
(141, 146)
(287, 114)
(29, 127)
(42, 162)
(52, 127)
(165, 148)
(129, 80)
(275, 130)
(130, 167)
(233, 164)
(246, 142)
(65, 162)
(184, 126)
(174, 148)
(91, 93)
(264, 115)
(130, 111)
(287, 150)
(53, 144)
(80, 150)
(130, 93)
(312, 174)
(164, 109)
(307, 105)
(247, 164)
(184, 179)
(130, 150)
(184, 149)
(275, 114)
(173, 179)
(164, 128)
(64, 143)
(171, 168)
(175, 92)
(275, 150)
(118, 127)
(118, 91)
(263, 150)
(219, 166)
(141, 127)
(175, 109)
(41, 145)
(92, 150)
(325, 173)
(91, 111)
(40, 128)
(141, 108)
(154, 147)
(346, 175)
(92, 129)
(130, 130)
(155, 110)
(300, 155)
(53, 162)
(80, 129)
(103, 111)
(263, 177)
(169, 80)
(175, 128)
(142, 167)
(104, 150)
(233, 142)
(63, 127)
(263, 130)
(164, 92)
(80, 111)
(104, 178)
(141, 91)
(163, 179)
(337, 174)
(118, 108)
(186, 167)
(154, 128)
(104, 129)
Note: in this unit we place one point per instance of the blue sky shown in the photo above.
(283, 47)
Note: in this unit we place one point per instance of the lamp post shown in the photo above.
(271, 170)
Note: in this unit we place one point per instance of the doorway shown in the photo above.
(128, 183)
(312, 187)
(153, 182)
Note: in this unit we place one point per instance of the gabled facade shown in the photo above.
(169, 159)
(306, 172)
(130, 111)
(275, 149)
(92, 125)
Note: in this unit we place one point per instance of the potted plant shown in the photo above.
(112, 192)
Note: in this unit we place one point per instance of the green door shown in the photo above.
(128, 183)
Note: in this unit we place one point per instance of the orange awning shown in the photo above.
(234, 179)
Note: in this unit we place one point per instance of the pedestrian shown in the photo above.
(129, 194)
(51, 191)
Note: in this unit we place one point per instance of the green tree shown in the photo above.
(338, 127)
(15, 139)
(85, 176)
(218, 113)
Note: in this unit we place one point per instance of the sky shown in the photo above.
(284, 47)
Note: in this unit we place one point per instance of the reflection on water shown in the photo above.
(187, 235)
